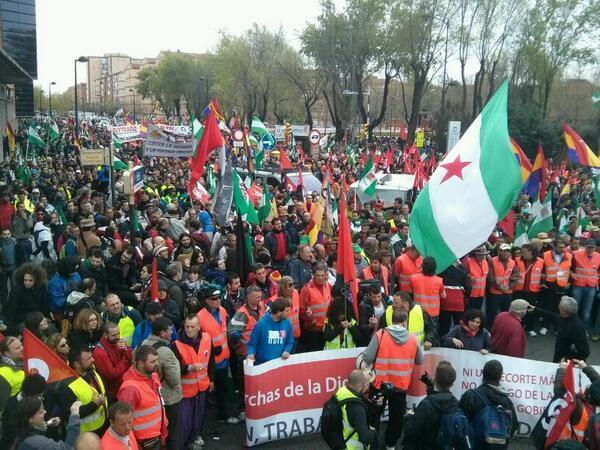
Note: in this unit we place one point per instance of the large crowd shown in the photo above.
(159, 316)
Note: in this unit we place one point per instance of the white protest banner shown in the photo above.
(176, 130)
(164, 144)
(127, 133)
(285, 398)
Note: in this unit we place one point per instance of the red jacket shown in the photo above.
(111, 363)
(7, 211)
(508, 336)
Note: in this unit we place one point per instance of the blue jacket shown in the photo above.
(59, 289)
(270, 339)
(8, 253)
(143, 330)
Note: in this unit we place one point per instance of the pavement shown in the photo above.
(222, 436)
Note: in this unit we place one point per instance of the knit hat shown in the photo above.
(519, 306)
(356, 248)
(159, 249)
(87, 223)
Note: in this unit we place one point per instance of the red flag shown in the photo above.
(421, 177)
(389, 157)
(403, 134)
(154, 281)
(301, 153)
(284, 160)
(508, 224)
(432, 161)
(210, 140)
(38, 358)
(345, 257)
(255, 193)
(564, 414)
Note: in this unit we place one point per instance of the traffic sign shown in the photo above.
(314, 137)
(238, 135)
(267, 142)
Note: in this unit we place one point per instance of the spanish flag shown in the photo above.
(578, 150)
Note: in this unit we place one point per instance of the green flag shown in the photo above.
(53, 131)
(368, 180)
(242, 202)
(596, 99)
(596, 181)
(259, 128)
(541, 216)
(264, 208)
(34, 138)
(521, 234)
(118, 164)
(197, 128)
(582, 221)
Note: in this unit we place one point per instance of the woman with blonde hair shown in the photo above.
(86, 332)
(58, 343)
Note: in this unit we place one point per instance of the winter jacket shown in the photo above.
(471, 404)
(59, 289)
(37, 441)
(7, 247)
(143, 331)
(421, 428)
(365, 312)
(87, 271)
(481, 340)
(271, 243)
(300, 271)
(111, 363)
(118, 283)
(270, 339)
(508, 336)
(175, 294)
(168, 369)
(571, 337)
(171, 310)
(22, 301)
(83, 339)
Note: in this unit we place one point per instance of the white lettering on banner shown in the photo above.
(285, 398)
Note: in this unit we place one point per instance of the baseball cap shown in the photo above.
(505, 247)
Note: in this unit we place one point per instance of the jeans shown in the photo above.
(585, 299)
(494, 304)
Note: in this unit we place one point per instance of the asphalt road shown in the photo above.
(221, 436)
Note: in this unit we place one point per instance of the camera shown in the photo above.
(386, 389)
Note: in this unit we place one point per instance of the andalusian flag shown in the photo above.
(521, 234)
(197, 128)
(259, 128)
(582, 221)
(242, 201)
(264, 207)
(473, 187)
(368, 180)
(34, 138)
(53, 131)
(541, 216)
(118, 164)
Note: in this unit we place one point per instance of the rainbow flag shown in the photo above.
(578, 151)
(522, 160)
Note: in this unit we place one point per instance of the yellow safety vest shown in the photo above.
(85, 393)
(350, 436)
(126, 328)
(13, 377)
(348, 340)
(416, 323)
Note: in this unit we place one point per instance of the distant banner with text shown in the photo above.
(161, 143)
(285, 398)
(127, 133)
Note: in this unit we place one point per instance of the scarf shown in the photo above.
(467, 330)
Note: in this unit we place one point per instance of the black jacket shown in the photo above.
(421, 428)
(481, 340)
(471, 404)
(118, 283)
(22, 301)
(571, 337)
(100, 275)
(83, 339)
(366, 311)
(358, 418)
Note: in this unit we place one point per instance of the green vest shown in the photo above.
(350, 435)
(416, 323)
(347, 337)
(84, 393)
(13, 377)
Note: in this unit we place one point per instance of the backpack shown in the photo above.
(455, 431)
(492, 425)
(332, 428)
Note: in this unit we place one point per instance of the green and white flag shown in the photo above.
(118, 164)
(582, 221)
(473, 187)
(242, 201)
(259, 128)
(34, 138)
(520, 234)
(563, 222)
(53, 131)
(264, 207)
(596, 99)
(368, 179)
(541, 216)
(596, 181)
(197, 128)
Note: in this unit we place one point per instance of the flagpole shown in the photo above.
(111, 160)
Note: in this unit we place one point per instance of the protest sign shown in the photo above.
(126, 133)
(176, 130)
(164, 144)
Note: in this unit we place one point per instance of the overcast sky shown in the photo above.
(67, 29)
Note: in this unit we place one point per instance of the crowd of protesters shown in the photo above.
(74, 275)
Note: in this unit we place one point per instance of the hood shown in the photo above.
(74, 297)
(496, 394)
(398, 333)
(444, 401)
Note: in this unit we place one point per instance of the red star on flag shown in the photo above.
(454, 168)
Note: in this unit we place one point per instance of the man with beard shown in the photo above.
(278, 242)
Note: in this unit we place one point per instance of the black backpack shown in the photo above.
(332, 428)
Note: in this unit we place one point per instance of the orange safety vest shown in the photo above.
(557, 273)
(478, 274)
(502, 274)
(577, 431)
(586, 269)
(148, 416)
(218, 332)
(194, 382)
(242, 350)
(426, 292)
(368, 275)
(294, 316)
(318, 302)
(405, 267)
(112, 442)
(536, 275)
(395, 362)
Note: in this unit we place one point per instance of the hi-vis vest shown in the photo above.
(478, 274)
(577, 431)
(405, 267)
(218, 332)
(350, 435)
(535, 278)
(149, 414)
(416, 323)
(368, 275)
(194, 382)
(112, 441)
(126, 326)
(586, 268)
(557, 273)
(502, 274)
(395, 362)
(426, 292)
(319, 302)
(294, 316)
(345, 336)
(13, 377)
(250, 324)
(84, 393)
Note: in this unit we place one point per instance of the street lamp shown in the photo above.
(80, 59)
(206, 89)
(133, 96)
(368, 94)
(41, 92)
(50, 97)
